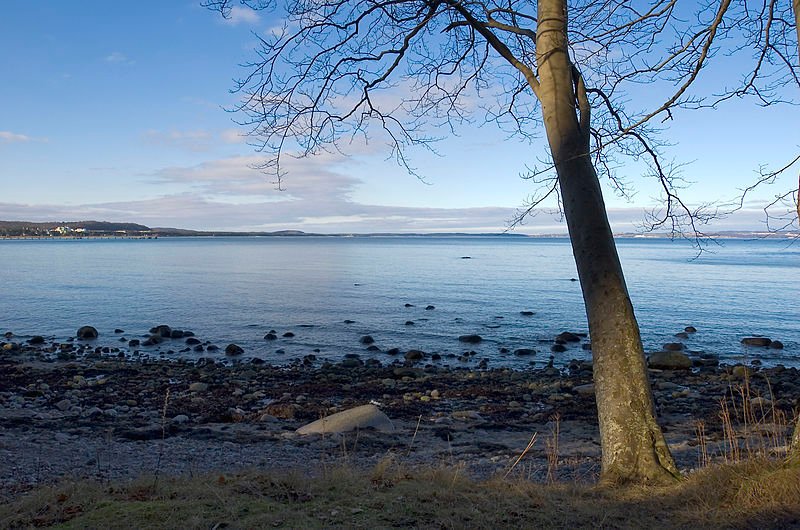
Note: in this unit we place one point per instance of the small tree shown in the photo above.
(566, 66)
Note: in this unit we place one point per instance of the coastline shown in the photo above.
(111, 419)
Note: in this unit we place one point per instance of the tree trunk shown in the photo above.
(796, 7)
(633, 446)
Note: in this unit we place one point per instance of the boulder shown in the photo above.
(669, 360)
(524, 351)
(36, 339)
(526, 313)
(191, 341)
(690, 329)
(176, 334)
(470, 339)
(430, 308)
(566, 336)
(366, 339)
(363, 417)
(233, 349)
(162, 330)
(775, 345)
(558, 348)
(672, 346)
(414, 355)
(270, 336)
(87, 333)
(756, 341)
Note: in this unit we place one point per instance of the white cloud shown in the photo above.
(233, 136)
(196, 141)
(116, 57)
(10, 137)
(242, 15)
(317, 179)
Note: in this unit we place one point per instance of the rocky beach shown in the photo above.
(76, 410)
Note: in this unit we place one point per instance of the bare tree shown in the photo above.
(339, 69)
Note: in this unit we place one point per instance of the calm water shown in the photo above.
(237, 289)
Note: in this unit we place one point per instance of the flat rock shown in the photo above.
(669, 360)
(365, 416)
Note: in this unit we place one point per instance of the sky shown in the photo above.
(117, 111)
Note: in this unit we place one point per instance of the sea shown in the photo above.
(407, 292)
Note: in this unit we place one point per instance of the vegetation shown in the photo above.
(755, 494)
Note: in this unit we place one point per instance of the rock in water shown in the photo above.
(233, 349)
(470, 339)
(365, 416)
(87, 333)
(670, 360)
(756, 341)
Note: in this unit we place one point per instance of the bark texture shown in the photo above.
(796, 7)
(633, 446)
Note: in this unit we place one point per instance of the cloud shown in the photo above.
(315, 179)
(196, 141)
(117, 57)
(194, 211)
(242, 15)
(233, 136)
(10, 137)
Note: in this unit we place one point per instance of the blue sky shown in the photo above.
(114, 111)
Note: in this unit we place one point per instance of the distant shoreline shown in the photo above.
(109, 230)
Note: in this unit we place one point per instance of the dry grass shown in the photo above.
(755, 493)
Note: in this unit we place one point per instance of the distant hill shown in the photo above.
(69, 228)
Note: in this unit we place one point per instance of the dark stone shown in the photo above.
(566, 336)
(270, 336)
(119, 330)
(188, 333)
(288, 334)
(409, 322)
(191, 341)
(152, 340)
(352, 363)
(37, 339)
(466, 257)
(672, 346)
(682, 335)
(348, 321)
(573, 279)
(233, 349)
(212, 347)
(776, 345)
(198, 348)
(409, 305)
(436, 357)
(393, 351)
(470, 339)
(430, 308)
(483, 364)
(133, 343)
(352, 356)
(504, 350)
(558, 348)
(414, 355)
(527, 313)
(366, 339)
(162, 330)
(524, 351)
(87, 333)
(176, 334)
(756, 341)
(8, 334)
(690, 329)
(372, 347)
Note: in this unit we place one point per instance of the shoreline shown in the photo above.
(112, 419)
